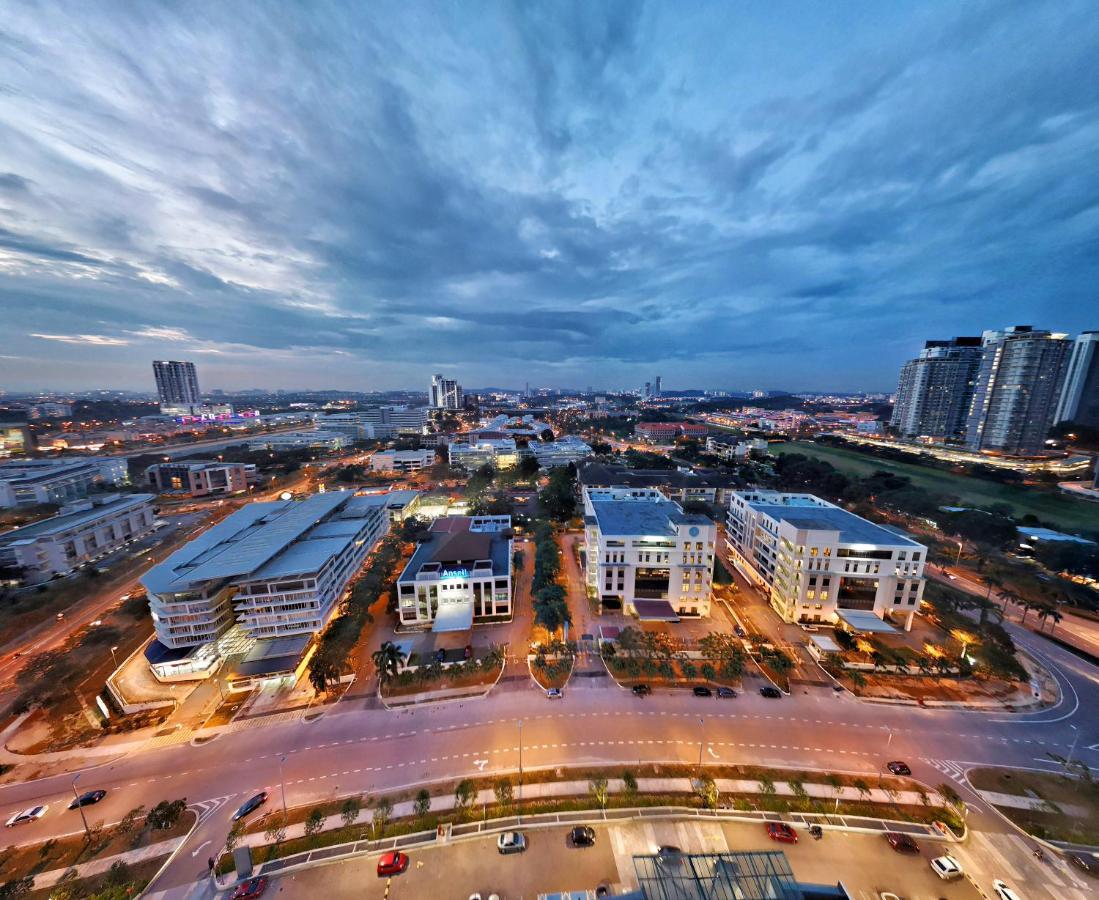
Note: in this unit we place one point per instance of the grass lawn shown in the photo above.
(1049, 505)
(1073, 816)
(138, 876)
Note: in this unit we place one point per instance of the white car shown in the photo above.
(555, 693)
(28, 815)
(479, 897)
(511, 842)
(1003, 892)
(946, 867)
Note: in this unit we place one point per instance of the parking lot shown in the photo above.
(864, 863)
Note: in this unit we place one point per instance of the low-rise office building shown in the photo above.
(402, 460)
(500, 453)
(646, 556)
(277, 569)
(731, 447)
(33, 481)
(566, 449)
(459, 575)
(200, 478)
(81, 533)
(821, 563)
(298, 440)
(664, 432)
(398, 505)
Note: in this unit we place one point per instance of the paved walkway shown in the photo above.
(1014, 801)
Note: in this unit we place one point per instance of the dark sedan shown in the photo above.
(88, 798)
(250, 805)
(582, 836)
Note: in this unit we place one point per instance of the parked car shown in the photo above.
(739, 631)
(250, 889)
(700, 690)
(250, 805)
(898, 768)
(641, 690)
(582, 836)
(87, 799)
(946, 867)
(1003, 892)
(511, 842)
(771, 693)
(781, 832)
(26, 816)
(392, 863)
(902, 843)
(555, 693)
(726, 692)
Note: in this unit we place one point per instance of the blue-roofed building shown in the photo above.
(821, 563)
(646, 556)
(276, 569)
(459, 574)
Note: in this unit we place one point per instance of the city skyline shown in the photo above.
(589, 202)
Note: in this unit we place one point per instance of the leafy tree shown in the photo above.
(276, 829)
(129, 821)
(349, 812)
(18, 887)
(558, 497)
(118, 874)
(629, 785)
(599, 791)
(464, 795)
(706, 790)
(315, 822)
(165, 814)
(388, 660)
(862, 787)
(528, 467)
(505, 795)
(421, 806)
(233, 837)
(767, 787)
(383, 809)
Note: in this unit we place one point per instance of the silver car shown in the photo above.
(511, 842)
(26, 816)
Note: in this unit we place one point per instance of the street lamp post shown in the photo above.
(1072, 749)
(83, 818)
(958, 557)
(282, 783)
(701, 739)
(114, 658)
(520, 771)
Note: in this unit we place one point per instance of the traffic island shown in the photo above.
(1052, 807)
(438, 680)
(552, 663)
(839, 800)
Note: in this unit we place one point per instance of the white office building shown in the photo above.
(377, 422)
(277, 569)
(33, 481)
(445, 393)
(402, 460)
(730, 447)
(500, 453)
(81, 533)
(821, 563)
(459, 575)
(298, 440)
(646, 556)
(566, 449)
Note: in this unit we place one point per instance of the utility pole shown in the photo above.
(83, 818)
(520, 771)
(701, 739)
(282, 783)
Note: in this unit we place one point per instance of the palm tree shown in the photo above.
(388, 660)
(993, 581)
(1008, 596)
(629, 639)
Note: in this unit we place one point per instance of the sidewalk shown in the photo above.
(547, 790)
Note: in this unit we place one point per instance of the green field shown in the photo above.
(1056, 509)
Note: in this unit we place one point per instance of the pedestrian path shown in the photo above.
(99, 866)
(1008, 856)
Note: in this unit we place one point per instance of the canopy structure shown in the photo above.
(865, 621)
(824, 643)
(655, 611)
(453, 617)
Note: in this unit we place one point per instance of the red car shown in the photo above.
(902, 843)
(250, 889)
(781, 832)
(392, 863)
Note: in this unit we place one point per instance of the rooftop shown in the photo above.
(65, 521)
(246, 541)
(451, 543)
(812, 514)
(643, 517)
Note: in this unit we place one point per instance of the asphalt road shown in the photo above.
(356, 747)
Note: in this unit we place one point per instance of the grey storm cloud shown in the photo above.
(353, 195)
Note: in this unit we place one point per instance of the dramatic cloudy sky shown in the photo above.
(355, 195)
